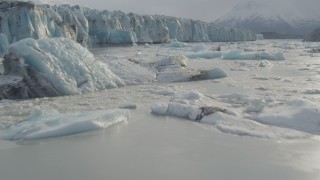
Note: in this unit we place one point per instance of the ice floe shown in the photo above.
(50, 123)
(301, 115)
(190, 106)
(237, 55)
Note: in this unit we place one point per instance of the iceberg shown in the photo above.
(58, 66)
(20, 20)
(42, 124)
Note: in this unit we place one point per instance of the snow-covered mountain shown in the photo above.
(296, 17)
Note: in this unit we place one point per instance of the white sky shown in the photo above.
(207, 10)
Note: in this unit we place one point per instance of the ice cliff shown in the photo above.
(20, 20)
(54, 67)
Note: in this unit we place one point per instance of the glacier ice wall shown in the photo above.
(19, 20)
(57, 66)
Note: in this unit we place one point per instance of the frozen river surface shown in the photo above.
(273, 132)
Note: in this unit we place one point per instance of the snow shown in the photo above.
(66, 65)
(50, 123)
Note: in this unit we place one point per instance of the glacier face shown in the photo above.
(19, 20)
(55, 67)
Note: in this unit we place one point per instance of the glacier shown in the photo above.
(89, 27)
(56, 67)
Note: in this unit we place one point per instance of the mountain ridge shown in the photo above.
(276, 17)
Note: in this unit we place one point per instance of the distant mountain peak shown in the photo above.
(273, 16)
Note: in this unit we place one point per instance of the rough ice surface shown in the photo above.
(10, 87)
(22, 20)
(174, 69)
(4, 44)
(312, 91)
(199, 47)
(129, 71)
(58, 66)
(215, 73)
(301, 115)
(244, 127)
(177, 44)
(190, 106)
(236, 55)
(42, 124)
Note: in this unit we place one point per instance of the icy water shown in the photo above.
(164, 147)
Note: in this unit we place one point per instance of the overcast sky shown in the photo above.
(207, 10)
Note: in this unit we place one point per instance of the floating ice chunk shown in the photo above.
(226, 121)
(173, 60)
(239, 55)
(300, 115)
(312, 91)
(159, 109)
(255, 105)
(58, 66)
(314, 51)
(130, 71)
(187, 95)
(183, 111)
(265, 63)
(204, 55)
(161, 91)
(48, 124)
(177, 44)
(128, 105)
(199, 47)
(147, 45)
(215, 73)
(251, 105)
(173, 69)
(244, 127)
(234, 98)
